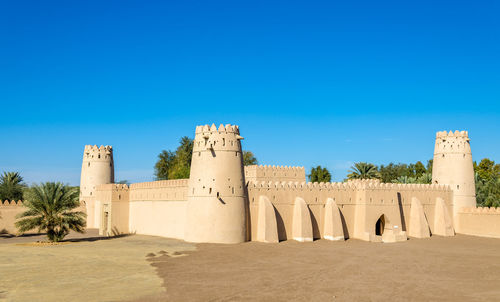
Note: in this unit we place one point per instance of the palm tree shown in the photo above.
(51, 208)
(363, 171)
(320, 174)
(11, 186)
(405, 180)
(425, 178)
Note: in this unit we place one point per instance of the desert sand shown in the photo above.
(84, 268)
(460, 268)
(147, 268)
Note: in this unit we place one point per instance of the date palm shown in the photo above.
(363, 171)
(51, 208)
(11, 186)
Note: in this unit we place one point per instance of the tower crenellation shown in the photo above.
(97, 169)
(216, 191)
(452, 142)
(452, 165)
(93, 152)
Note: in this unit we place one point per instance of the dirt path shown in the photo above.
(89, 269)
(460, 268)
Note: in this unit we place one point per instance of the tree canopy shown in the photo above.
(11, 186)
(249, 159)
(487, 177)
(320, 174)
(363, 170)
(177, 164)
(51, 208)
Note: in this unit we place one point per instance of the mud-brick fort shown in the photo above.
(225, 202)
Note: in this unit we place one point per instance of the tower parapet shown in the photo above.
(452, 165)
(97, 169)
(216, 208)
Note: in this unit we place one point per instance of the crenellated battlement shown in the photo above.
(443, 134)
(93, 152)
(11, 203)
(211, 139)
(452, 142)
(160, 184)
(275, 173)
(364, 181)
(228, 128)
(480, 210)
(350, 185)
(112, 187)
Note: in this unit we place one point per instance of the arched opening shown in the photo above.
(379, 226)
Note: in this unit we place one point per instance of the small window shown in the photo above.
(210, 191)
(89, 165)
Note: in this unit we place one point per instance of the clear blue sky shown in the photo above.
(328, 83)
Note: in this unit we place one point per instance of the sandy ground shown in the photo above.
(88, 268)
(460, 268)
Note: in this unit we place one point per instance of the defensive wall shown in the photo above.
(225, 202)
(360, 204)
(8, 212)
(150, 208)
(273, 173)
(478, 221)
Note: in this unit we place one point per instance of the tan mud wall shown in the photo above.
(273, 173)
(8, 212)
(392, 200)
(484, 222)
(151, 208)
(158, 218)
(156, 208)
(161, 190)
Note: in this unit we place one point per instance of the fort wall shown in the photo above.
(8, 212)
(112, 208)
(360, 204)
(484, 222)
(270, 173)
(225, 202)
(159, 208)
(151, 208)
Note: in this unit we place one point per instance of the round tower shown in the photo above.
(97, 168)
(452, 165)
(216, 194)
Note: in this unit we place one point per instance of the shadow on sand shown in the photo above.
(8, 235)
(96, 238)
